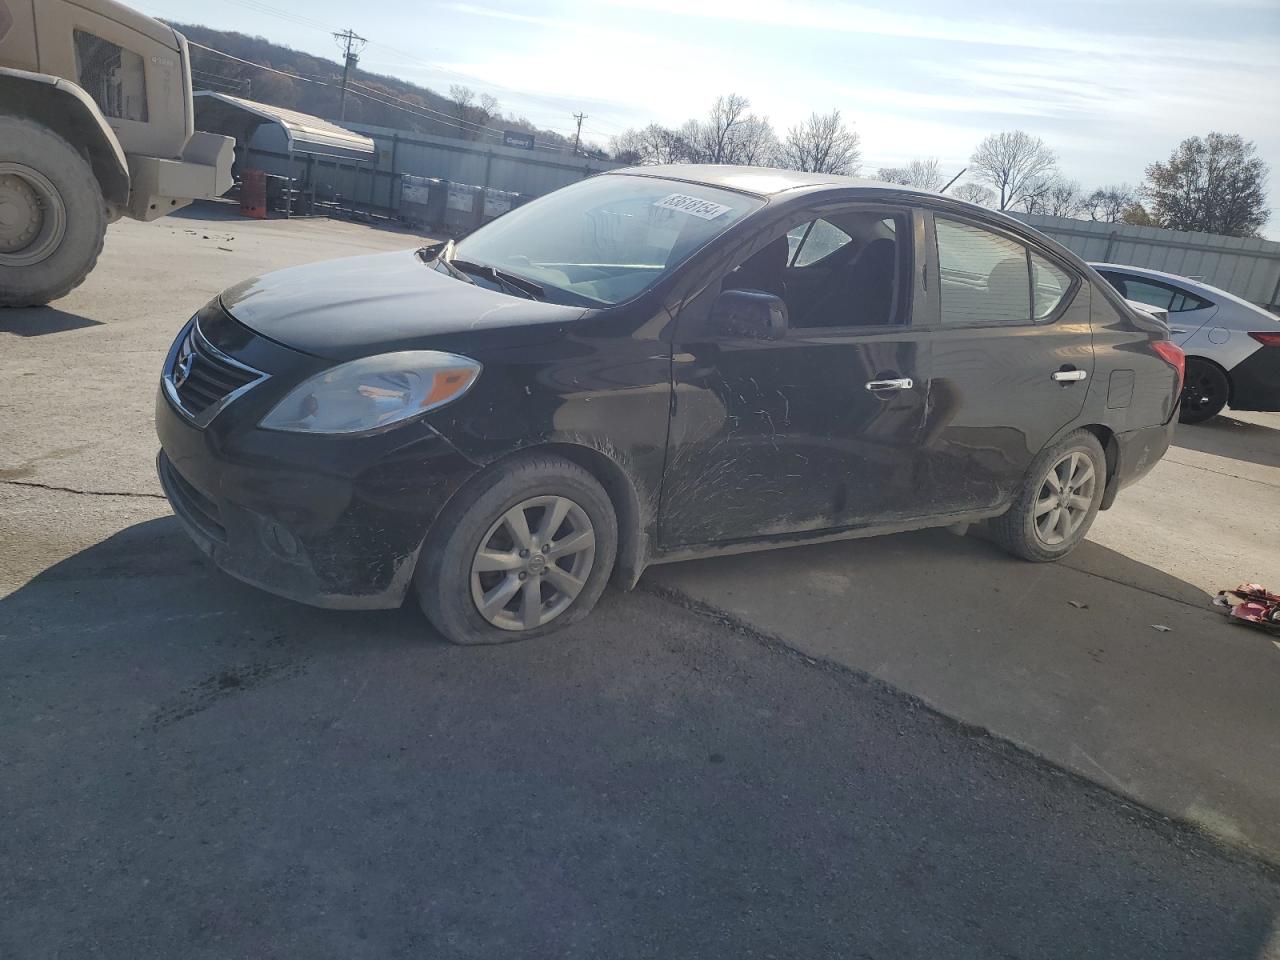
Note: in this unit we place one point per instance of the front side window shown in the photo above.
(1142, 291)
(815, 241)
(984, 276)
(114, 77)
(607, 239)
(846, 270)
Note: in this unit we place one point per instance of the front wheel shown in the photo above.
(1204, 393)
(527, 549)
(1057, 502)
(52, 215)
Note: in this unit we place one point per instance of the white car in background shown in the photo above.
(1232, 346)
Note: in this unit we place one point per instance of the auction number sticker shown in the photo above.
(694, 206)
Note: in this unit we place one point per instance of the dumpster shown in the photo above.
(422, 200)
(462, 209)
(498, 202)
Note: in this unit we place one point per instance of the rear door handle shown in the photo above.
(1069, 376)
(902, 383)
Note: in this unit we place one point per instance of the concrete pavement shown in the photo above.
(192, 768)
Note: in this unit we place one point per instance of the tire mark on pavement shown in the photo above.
(222, 685)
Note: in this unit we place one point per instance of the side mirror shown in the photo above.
(750, 313)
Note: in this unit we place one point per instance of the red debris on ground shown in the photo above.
(1259, 607)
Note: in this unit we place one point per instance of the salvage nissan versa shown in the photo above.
(654, 364)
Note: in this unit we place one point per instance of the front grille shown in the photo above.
(189, 503)
(203, 378)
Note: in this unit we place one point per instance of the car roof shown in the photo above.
(759, 181)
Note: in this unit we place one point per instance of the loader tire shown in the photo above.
(52, 215)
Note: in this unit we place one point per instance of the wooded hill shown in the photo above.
(371, 98)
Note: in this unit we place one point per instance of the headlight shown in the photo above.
(373, 392)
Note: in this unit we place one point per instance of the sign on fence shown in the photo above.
(518, 139)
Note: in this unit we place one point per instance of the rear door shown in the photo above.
(1011, 354)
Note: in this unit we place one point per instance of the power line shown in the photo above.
(417, 110)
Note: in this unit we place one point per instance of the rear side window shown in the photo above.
(984, 276)
(1049, 284)
(113, 76)
(1183, 301)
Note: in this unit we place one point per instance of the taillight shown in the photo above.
(1173, 355)
(1270, 339)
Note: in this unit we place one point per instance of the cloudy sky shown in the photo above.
(1110, 85)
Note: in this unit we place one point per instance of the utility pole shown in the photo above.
(352, 44)
(577, 135)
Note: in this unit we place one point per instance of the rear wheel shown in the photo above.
(52, 215)
(1204, 393)
(1057, 502)
(526, 550)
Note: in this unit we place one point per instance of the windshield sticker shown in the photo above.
(693, 206)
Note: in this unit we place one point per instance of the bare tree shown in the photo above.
(754, 143)
(925, 174)
(1216, 184)
(730, 134)
(973, 193)
(473, 110)
(1017, 165)
(1056, 197)
(822, 144)
(1108, 204)
(650, 145)
(713, 140)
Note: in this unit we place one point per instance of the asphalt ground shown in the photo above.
(189, 767)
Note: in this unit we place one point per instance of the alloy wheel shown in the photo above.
(33, 218)
(532, 563)
(1200, 391)
(1065, 497)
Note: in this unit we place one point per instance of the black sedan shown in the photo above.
(650, 365)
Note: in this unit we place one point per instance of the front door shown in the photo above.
(1012, 354)
(815, 429)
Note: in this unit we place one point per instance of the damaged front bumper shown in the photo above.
(343, 536)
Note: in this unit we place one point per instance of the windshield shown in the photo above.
(607, 239)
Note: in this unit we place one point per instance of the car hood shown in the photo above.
(358, 306)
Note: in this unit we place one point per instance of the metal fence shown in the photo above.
(1247, 267)
(377, 185)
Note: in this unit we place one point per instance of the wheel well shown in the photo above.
(626, 505)
(1111, 449)
(632, 534)
(45, 104)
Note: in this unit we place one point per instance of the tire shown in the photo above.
(56, 215)
(451, 587)
(1204, 393)
(1022, 533)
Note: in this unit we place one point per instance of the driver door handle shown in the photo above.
(902, 383)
